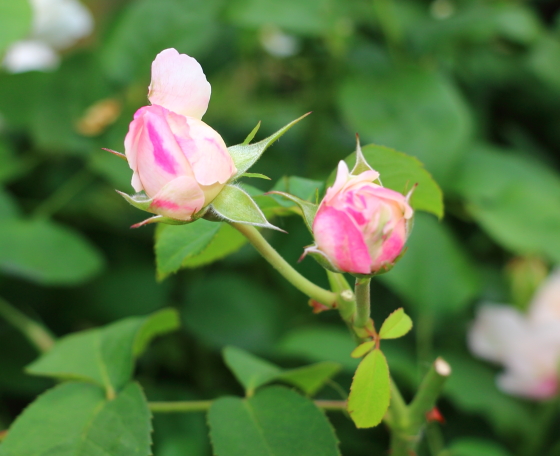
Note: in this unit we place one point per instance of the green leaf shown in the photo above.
(309, 343)
(15, 21)
(250, 370)
(190, 27)
(235, 205)
(47, 253)
(193, 245)
(231, 309)
(435, 275)
(10, 165)
(363, 349)
(104, 356)
(245, 156)
(400, 172)
(75, 419)
(273, 422)
(514, 198)
(470, 446)
(382, 106)
(370, 392)
(310, 379)
(8, 207)
(253, 372)
(395, 325)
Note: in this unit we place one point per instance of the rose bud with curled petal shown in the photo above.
(178, 161)
(361, 227)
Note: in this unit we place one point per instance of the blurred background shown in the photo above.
(470, 87)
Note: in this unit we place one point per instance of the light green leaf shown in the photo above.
(395, 325)
(435, 275)
(250, 370)
(104, 356)
(75, 419)
(361, 350)
(245, 156)
(273, 422)
(47, 253)
(370, 392)
(415, 110)
(15, 21)
(515, 199)
(235, 205)
(400, 172)
(195, 244)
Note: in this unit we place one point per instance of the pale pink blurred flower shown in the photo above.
(527, 345)
(361, 227)
(178, 161)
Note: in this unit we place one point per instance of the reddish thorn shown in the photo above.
(435, 415)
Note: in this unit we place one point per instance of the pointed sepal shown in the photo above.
(160, 219)
(245, 155)
(320, 257)
(251, 135)
(361, 163)
(308, 209)
(235, 205)
(114, 152)
(139, 201)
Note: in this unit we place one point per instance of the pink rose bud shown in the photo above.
(361, 227)
(178, 161)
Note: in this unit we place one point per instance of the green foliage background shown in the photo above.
(470, 87)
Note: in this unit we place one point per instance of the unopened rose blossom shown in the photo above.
(361, 227)
(527, 345)
(178, 161)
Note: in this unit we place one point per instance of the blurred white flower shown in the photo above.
(57, 24)
(277, 43)
(527, 345)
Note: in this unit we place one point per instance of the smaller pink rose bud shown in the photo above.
(178, 161)
(361, 227)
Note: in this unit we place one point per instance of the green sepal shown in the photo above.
(251, 135)
(160, 219)
(320, 258)
(257, 175)
(245, 155)
(361, 164)
(308, 209)
(235, 205)
(139, 201)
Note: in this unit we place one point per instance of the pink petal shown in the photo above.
(179, 84)
(390, 248)
(179, 199)
(545, 306)
(338, 237)
(204, 148)
(391, 195)
(159, 158)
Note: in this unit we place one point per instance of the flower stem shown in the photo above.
(39, 336)
(325, 297)
(362, 302)
(202, 406)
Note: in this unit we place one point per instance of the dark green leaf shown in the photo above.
(370, 392)
(415, 110)
(47, 253)
(435, 274)
(471, 446)
(75, 419)
(310, 379)
(274, 422)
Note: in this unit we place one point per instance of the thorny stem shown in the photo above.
(325, 297)
(37, 334)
